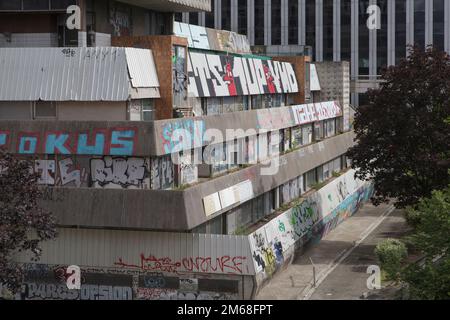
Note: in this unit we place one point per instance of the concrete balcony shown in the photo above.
(179, 210)
(172, 5)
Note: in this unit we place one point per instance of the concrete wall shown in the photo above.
(125, 265)
(184, 210)
(16, 110)
(299, 63)
(334, 80)
(161, 47)
(68, 110)
(155, 138)
(23, 40)
(273, 245)
(92, 111)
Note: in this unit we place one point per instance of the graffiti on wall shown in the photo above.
(212, 39)
(162, 174)
(49, 282)
(222, 264)
(179, 75)
(119, 172)
(188, 171)
(307, 113)
(212, 75)
(120, 19)
(311, 219)
(71, 173)
(110, 172)
(46, 171)
(173, 294)
(174, 137)
(108, 141)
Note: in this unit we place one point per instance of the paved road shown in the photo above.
(341, 259)
(348, 281)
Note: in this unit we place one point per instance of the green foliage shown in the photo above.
(403, 132)
(336, 174)
(430, 277)
(391, 253)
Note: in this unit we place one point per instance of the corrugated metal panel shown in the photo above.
(68, 74)
(149, 251)
(141, 68)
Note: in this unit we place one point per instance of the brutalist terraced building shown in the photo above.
(179, 164)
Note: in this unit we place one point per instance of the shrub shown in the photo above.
(391, 253)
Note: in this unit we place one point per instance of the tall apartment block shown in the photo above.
(179, 164)
(334, 30)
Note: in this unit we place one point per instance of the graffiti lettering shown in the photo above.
(112, 172)
(223, 264)
(113, 141)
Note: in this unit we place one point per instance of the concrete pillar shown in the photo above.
(234, 15)
(447, 26)
(336, 30)
(409, 23)
(202, 19)
(319, 30)
(372, 47)
(354, 40)
(218, 14)
(429, 22)
(302, 22)
(251, 21)
(267, 22)
(391, 32)
(284, 22)
(185, 17)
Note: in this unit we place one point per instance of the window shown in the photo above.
(363, 38)
(142, 110)
(44, 109)
(346, 18)
(307, 134)
(259, 22)
(193, 18)
(287, 138)
(293, 22)
(296, 138)
(10, 5)
(400, 30)
(61, 4)
(382, 37)
(226, 15)
(328, 30)
(214, 106)
(419, 23)
(330, 128)
(209, 17)
(35, 5)
(438, 24)
(311, 23)
(148, 111)
(242, 16)
(276, 22)
(311, 179)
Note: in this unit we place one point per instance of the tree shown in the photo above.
(23, 224)
(430, 277)
(403, 133)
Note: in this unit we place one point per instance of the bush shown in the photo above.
(391, 253)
